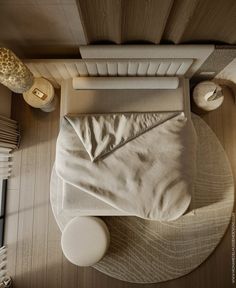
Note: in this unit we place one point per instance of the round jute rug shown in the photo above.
(144, 251)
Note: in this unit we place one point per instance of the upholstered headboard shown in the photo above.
(124, 60)
(58, 70)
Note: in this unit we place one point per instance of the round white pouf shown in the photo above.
(85, 240)
(202, 94)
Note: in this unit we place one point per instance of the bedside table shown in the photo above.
(207, 96)
(41, 95)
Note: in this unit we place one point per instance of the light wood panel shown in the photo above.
(102, 19)
(57, 27)
(34, 254)
(201, 21)
(41, 27)
(156, 21)
(122, 21)
(212, 21)
(180, 17)
(144, 20)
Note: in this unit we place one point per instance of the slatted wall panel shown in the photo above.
(58, 70)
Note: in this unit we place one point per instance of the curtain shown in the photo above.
(9, 138)
(5, 280)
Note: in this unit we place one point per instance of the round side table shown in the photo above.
(41, 95)
(207, 96)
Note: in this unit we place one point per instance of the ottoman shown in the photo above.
(85, 240)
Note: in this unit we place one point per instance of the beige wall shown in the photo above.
(5, 101)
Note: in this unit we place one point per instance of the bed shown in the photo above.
(72, 200)
(90, 86)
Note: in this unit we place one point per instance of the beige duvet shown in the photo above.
(140, 163)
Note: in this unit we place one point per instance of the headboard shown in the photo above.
(124, 60)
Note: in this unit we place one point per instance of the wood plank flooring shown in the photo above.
(33, 238)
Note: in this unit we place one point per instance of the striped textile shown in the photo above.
(9, 139)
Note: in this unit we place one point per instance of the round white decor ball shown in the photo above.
(208, 96)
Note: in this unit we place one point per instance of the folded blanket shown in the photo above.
(141, 163)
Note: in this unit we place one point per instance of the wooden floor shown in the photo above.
(34, 255)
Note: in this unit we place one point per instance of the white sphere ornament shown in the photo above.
(208, 96)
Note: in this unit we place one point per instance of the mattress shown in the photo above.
(103, 101)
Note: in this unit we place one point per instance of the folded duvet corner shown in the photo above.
(140, 163)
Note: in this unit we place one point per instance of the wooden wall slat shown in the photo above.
(156, 21)
(144, 20)
(102, 19)
(201, 21)
(125, 21)
(59, 27)
(180, 17)
(212, 21)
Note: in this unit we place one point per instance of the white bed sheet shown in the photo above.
(102, 101)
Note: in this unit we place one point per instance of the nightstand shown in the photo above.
(41, 95)
(207, 96)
